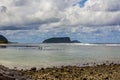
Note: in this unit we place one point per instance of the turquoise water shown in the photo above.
(47, 55)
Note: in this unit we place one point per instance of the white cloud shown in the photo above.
(49, 14)
(103, 5)
(76, 16)
(95, 13)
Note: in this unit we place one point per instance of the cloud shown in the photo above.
(21, 2)
(22, 13)
(94, 13)
(103, 5)
(3, 9)
(76, 16)
(25, 12)
(59, 18)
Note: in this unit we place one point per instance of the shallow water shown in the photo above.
(46, 55)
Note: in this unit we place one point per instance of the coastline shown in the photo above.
(104, 71)
(85, 68)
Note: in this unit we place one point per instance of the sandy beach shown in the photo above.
(98, 72)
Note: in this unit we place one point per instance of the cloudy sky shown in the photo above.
(32, 21)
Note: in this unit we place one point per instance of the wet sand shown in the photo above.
(97, 72)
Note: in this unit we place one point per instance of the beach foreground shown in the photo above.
(97, 72)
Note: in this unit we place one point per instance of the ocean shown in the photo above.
(48, 55)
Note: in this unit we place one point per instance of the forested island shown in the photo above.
(60, 40)
(3, 39)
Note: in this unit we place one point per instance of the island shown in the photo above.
(3, 40)
(60, 40)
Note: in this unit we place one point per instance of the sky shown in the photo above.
(32, 21)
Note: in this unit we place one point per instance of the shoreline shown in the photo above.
(103, 71)
(25, 67)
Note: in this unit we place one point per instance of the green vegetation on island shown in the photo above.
(60, 40)
(3, 39)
